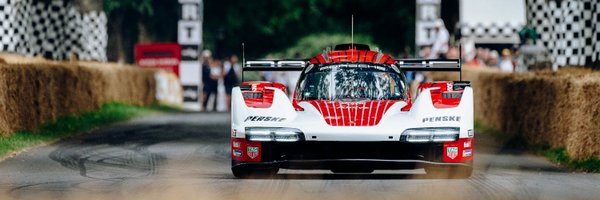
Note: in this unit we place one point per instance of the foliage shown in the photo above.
(70, 125)
(273, 25)
(560, 156)
(143, 7)
(134, 21)
(265, 26)
(312, 45)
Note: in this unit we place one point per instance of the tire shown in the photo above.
(449, 172)
(246, 172)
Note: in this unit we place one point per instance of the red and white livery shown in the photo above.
(352, 112)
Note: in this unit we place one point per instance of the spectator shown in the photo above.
(231, 70)
(475, 62)
(214, 73)
(453, 53)
(206, 59)
(493, 59)
(440, 41)
(506, 64)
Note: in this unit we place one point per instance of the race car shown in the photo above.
(352, 112)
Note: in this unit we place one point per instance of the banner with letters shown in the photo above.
(189, 38)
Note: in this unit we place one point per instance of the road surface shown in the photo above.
(186, 156)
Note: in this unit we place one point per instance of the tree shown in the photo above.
(265, 26)
(273, 25)
(137, 21)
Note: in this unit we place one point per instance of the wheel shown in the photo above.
(449, 172)
(246, 172)
(352, 170)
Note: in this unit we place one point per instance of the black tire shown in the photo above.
(246, 172)
(449, 172)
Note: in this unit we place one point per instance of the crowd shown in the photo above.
(506, 60)
(217, 74)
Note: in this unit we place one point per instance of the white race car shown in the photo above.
(352, 112)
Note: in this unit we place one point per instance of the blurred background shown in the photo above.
(201, 41)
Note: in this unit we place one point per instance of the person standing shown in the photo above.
(506, 64)
(231, 70)
(206, 81)
(440, 41)
(213, 72)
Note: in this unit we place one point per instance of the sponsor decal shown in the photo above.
(471, 132)
(252, 152)
(236, 144)
(467, 152)
(467, 144)
(452, 152)
(442, 119)
(264, 119)
(237, 153)
(233, 132)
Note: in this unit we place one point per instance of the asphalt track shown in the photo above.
(186, 156)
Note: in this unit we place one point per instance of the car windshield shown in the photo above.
(352, 82)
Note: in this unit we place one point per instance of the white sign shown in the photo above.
(189, 36)
(190, 12)
(428, 11)
(190, 32)
(189, 72)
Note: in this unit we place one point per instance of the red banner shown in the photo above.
(159, 55)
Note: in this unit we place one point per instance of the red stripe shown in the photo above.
(352, 114)
(362, 114)
(383, 59)
(328, 112)
(320, 58)
(369, 56)
(376, 111)
(336, 57)
(332, 113)
(381, 111)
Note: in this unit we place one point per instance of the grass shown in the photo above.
(556, 155)
(560, 156)
(71, 125)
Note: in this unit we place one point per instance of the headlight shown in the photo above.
(277, 134)
(437, 134)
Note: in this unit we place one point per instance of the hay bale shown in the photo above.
(35, 92)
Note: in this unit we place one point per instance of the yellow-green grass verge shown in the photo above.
(558, 155)
(67, 126)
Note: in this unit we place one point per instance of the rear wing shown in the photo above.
(447, 65)
(273, 65)
(429, 65)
